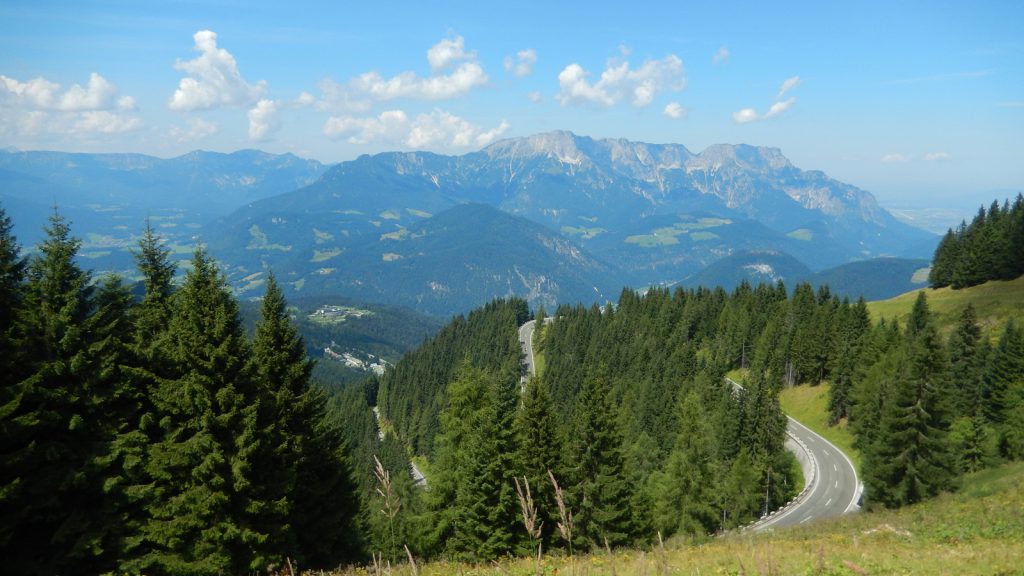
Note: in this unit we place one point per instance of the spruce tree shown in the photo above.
(685, 491)
(49, 438)
(539, 448)
(303, 491)
(12, 272)
(600, 493)
(910, 458)
(202, 463)
(966, 363)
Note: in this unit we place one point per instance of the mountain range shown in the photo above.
(553, 217)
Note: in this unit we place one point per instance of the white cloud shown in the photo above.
(197, 130)
(522, 64)
(104, 122)
(263, 119)
(305, 99)
(535, 97)
(895, 157)
(787, 85)
(468, 74)
(42, 106)
(721, 56)
(778, 107)
(438, 129)
(213, 79)
(448, 51)
(98, 95)
(42, 94)
(674, 110)
(745, 115)
(37, 93)
(937, 156)
(388, 126)
(619, 81)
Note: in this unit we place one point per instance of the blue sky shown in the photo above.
(921, 103)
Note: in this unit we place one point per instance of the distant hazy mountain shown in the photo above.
(110, 194)
(874, 279)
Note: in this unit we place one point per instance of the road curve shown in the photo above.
(526, 341)
(832, 488)
(831, 485)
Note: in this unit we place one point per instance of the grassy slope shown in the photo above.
(995, 302)
(980, 530)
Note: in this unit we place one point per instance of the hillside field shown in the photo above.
(995, 302)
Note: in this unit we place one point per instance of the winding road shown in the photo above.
(831, 485)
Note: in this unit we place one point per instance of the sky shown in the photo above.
(920, 103)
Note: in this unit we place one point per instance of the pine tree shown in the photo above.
(12, 272)
(49, 441)
(303, 496)
(467, 398)
(966, 363)
(600, 493)
(150, 363)
(686, 489)
(202, 464)
(910, 458)
(539, 447)
(1006, 365)
(944, 261)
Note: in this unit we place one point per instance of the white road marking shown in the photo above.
(826, 452)
(837, 483)
(834, 467)
(808, 519)
(828, 503)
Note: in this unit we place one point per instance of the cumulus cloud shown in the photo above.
(895, 157)
(213, 79)
(408, 85)
(746, 115)
(443, 56)
(39, 105)
(721, 56)
(196, 129)
(620, 81)
(448, 51)
(522, 64)
(674, 110)
(436, 129)
(535, 97)
(263, 119)
(937, 156)
(42, 94)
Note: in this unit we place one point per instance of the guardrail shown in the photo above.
(799, 498)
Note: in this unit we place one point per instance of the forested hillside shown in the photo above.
(991, 247)
(152, 436)
(631, 415)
